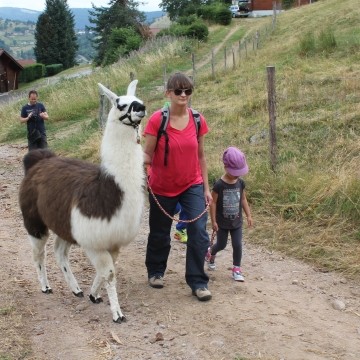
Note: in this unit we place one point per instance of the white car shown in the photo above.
(235, 11)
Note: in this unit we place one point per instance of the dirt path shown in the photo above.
(284, 310)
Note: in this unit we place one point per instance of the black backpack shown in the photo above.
(164, 123)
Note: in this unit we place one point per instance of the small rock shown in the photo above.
(81, 307)
(338, 305)
(217, 343)
(295, 282)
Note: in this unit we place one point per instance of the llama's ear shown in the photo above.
(132, 88)
(109, 94)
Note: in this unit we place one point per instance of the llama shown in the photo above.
(96, 207)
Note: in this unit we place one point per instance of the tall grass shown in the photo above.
(309, 207)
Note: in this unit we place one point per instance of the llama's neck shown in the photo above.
(121, 155)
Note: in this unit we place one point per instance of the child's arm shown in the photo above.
(213, 211)
(246, 207)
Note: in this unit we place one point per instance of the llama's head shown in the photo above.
(127, 109)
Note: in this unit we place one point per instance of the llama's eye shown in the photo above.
(121, 107)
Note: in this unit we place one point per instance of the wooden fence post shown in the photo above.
(225, 57)
(213, 63)
(193, 66)
(233, 56)
(103, 109)
(274, 15)
(272, 116)
(165, 80)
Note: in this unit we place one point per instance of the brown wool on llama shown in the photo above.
(96, 207)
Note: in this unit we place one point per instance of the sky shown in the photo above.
(39, 5)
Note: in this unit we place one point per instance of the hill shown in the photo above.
(81, 15)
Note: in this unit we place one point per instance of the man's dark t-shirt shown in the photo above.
(35, 121)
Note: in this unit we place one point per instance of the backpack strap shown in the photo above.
(165, 117)
(196, 116)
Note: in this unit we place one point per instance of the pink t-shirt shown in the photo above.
(183, 168)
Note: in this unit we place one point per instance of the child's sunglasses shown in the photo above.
(179, 92)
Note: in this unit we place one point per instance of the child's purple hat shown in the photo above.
(235, 162)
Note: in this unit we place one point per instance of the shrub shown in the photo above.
(198, 30)
(54, 69)
(32, 72)
(216, 13)
(326, 40)
(222, 16)
(307, 44)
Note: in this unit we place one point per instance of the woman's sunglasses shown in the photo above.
(179, 92)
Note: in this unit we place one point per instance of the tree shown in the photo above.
(120, 14)
(55, 38)
(121, 42)
(177, 8)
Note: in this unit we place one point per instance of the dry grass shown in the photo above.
(14, 344)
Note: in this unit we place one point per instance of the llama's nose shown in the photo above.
(139, 107)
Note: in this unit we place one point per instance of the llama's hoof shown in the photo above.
(79, 294)
(48, 290)
(95, 300)
(120, 319)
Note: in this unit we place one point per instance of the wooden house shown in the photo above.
(9, 72)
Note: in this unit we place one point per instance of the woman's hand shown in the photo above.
(208, 197)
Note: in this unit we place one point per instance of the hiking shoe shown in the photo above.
(203, 294)
(181, 235)
(156, 281)
(237, 275)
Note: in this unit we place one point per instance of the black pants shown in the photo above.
(38, 144)
(236, 240)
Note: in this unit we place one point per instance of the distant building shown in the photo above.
(9, 72)
(26, 62)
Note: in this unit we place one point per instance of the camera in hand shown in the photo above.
(33, 116)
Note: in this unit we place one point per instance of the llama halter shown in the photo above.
(134, 124)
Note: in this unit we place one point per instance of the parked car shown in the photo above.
(244, 8)
(235, 11)
(241, 10)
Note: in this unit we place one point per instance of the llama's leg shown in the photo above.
(105, 273)
(39, 256)
(62, 249)
(95, 296)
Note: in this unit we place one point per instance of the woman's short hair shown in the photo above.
(179, 80)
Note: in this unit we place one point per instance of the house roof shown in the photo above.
(26, 62)
(5, 54)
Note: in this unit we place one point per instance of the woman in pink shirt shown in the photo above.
(178, 173)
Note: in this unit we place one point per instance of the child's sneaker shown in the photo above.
(210, 259)
(211, 264)
(181, 235)
(237, 275)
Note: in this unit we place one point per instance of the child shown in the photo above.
(229, 199)
(181, 232)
